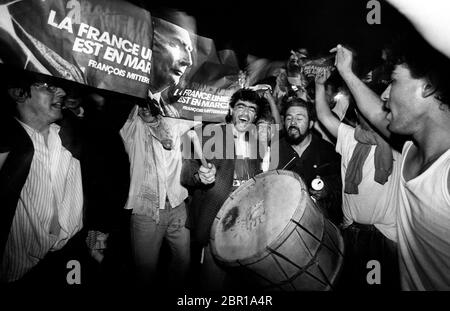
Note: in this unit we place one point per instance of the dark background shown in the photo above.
(270, 29)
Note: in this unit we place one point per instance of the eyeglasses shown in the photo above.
(48, 87)
(242, 107)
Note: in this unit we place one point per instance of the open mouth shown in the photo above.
(178, 72)
(57, 105)
(389, 116)
(294, 129)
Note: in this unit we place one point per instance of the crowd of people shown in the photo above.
(101, 179)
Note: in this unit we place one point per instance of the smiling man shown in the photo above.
(40, 182)
(225, 172)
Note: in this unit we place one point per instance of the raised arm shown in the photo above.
(273, 106)
(324, 114)
(368, 102)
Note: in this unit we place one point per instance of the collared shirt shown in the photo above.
(155, 171)
(51, 197)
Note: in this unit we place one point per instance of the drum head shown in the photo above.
(255, 215)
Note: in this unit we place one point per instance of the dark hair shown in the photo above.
(24, 79)
(298, 102)
(423, 62)
(267, 118)
(248, 96)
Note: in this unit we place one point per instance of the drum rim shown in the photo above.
(277, 241)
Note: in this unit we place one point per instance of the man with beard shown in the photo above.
(233, 161)
(311, 157)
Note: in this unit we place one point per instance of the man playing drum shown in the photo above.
(232, 163)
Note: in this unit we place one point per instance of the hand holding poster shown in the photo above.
(316, 66)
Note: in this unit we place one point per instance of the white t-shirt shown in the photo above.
(371, 204)
(423, 220)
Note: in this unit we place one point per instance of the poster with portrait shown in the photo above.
(101, 43)
(204, 92)
(110, 44)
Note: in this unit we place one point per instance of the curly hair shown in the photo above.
(248, 95)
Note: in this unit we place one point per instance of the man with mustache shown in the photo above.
(311, 157)
(152, 138)
(232, 162)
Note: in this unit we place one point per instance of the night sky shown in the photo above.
(271, 30)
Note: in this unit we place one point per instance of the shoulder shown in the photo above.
(320, 143)
(11, 134)
(345, 131)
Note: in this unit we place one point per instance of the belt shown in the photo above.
(356, 225)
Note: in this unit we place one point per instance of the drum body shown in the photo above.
(273, 231)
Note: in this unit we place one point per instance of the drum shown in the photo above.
(273, 231)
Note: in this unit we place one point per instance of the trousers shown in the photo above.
(146, 241)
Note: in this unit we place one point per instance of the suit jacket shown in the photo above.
(206, 200)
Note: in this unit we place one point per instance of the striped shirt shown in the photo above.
(49, 209)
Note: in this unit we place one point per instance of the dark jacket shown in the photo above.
(318, 159)
(15, 140)
(206, 200)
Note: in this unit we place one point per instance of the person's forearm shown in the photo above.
(323, 111)
(369, 103)
(275, 112)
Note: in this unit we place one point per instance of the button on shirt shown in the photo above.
(49, 210)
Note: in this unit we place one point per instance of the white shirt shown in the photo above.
(424, 226)
(53, 183)
(371, 204)
(155, 172)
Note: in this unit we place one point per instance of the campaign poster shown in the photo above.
(101, 43)
(204, 92)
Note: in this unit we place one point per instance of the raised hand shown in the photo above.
(322, 76)
(343, 60)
